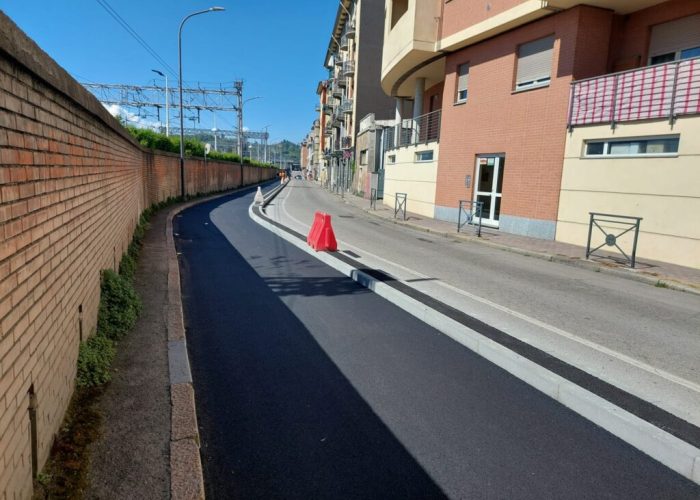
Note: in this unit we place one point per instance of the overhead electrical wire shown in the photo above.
(122, 22)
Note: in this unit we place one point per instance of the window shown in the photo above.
(363, 157)
(462, 83)
(655, 146)
(398, 9)
(424, 156)
(391, 158)
(674, 40)
(534, 64)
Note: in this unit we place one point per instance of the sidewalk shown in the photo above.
(652, 272)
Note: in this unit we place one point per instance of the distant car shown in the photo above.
(299, 177)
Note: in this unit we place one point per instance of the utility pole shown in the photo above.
(238, 86)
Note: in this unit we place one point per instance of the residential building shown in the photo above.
(519, 105)
(369, 146)
(353, 60)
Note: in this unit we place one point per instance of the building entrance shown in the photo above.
(488, 186)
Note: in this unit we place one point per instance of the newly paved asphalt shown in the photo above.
(310, 386)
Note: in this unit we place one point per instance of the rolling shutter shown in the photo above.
(535, 60)
(463, 79)
(675, 35)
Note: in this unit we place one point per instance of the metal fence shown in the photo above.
(400, 205)
(659, 91)
(470, 212)
(623, 224)
(413, 131)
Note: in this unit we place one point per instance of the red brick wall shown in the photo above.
(528, 127)
(437, 91)
(630, 48)
(460, 14)
(72, 186)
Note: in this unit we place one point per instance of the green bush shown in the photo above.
(94, 359)
(119, 306)
(193, 147)
(127, 266)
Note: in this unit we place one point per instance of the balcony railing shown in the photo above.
(342, 82)
(350, 33)
(413, 131)
(661, 91)
(346, 142)
(346, 106)
(348, 68)
(344, 42)
(337, 91)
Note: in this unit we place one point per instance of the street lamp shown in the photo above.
(182, 125)
(167, 105)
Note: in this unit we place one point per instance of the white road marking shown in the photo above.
(533, 321)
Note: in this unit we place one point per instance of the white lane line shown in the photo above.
(533, 321)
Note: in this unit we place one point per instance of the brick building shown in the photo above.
(484, 113)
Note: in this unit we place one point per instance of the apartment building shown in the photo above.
(544, 111)
(353, 60)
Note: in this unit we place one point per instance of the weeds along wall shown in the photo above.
(73, 183)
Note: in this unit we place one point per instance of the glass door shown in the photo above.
(489, 181)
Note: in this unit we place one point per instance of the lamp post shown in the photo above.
(167, 102)
(182, 126)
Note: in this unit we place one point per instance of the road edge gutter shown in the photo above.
(660, 445)
(186, 473)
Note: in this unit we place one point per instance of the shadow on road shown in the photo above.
(277, 417)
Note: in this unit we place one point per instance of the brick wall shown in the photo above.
(72, 186)
(528, 127)
(630, 47)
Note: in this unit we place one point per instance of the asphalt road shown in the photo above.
(653, 325)
(310, 386)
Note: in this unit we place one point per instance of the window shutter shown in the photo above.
(675, 35)
(535, 60)
(463, 79)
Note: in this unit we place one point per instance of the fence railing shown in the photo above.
(348, 68)
(660, 91)
(618, 226)
(413, 131)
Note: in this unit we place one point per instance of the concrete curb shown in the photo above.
(570, 261)
(662, 446)
(186, 475)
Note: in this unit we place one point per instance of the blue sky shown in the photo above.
(277, 47)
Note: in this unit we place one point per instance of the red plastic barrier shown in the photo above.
(315, 227)
(321, 237)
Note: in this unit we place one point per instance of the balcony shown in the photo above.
(663, 91)
(328, 109)
(349, 68)
(350, 33)
(344, 42)
(346, 142)
(338, 117)
(337, 91)
(342, 82)
(411, 132)
(346, 106)
(338, 60)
